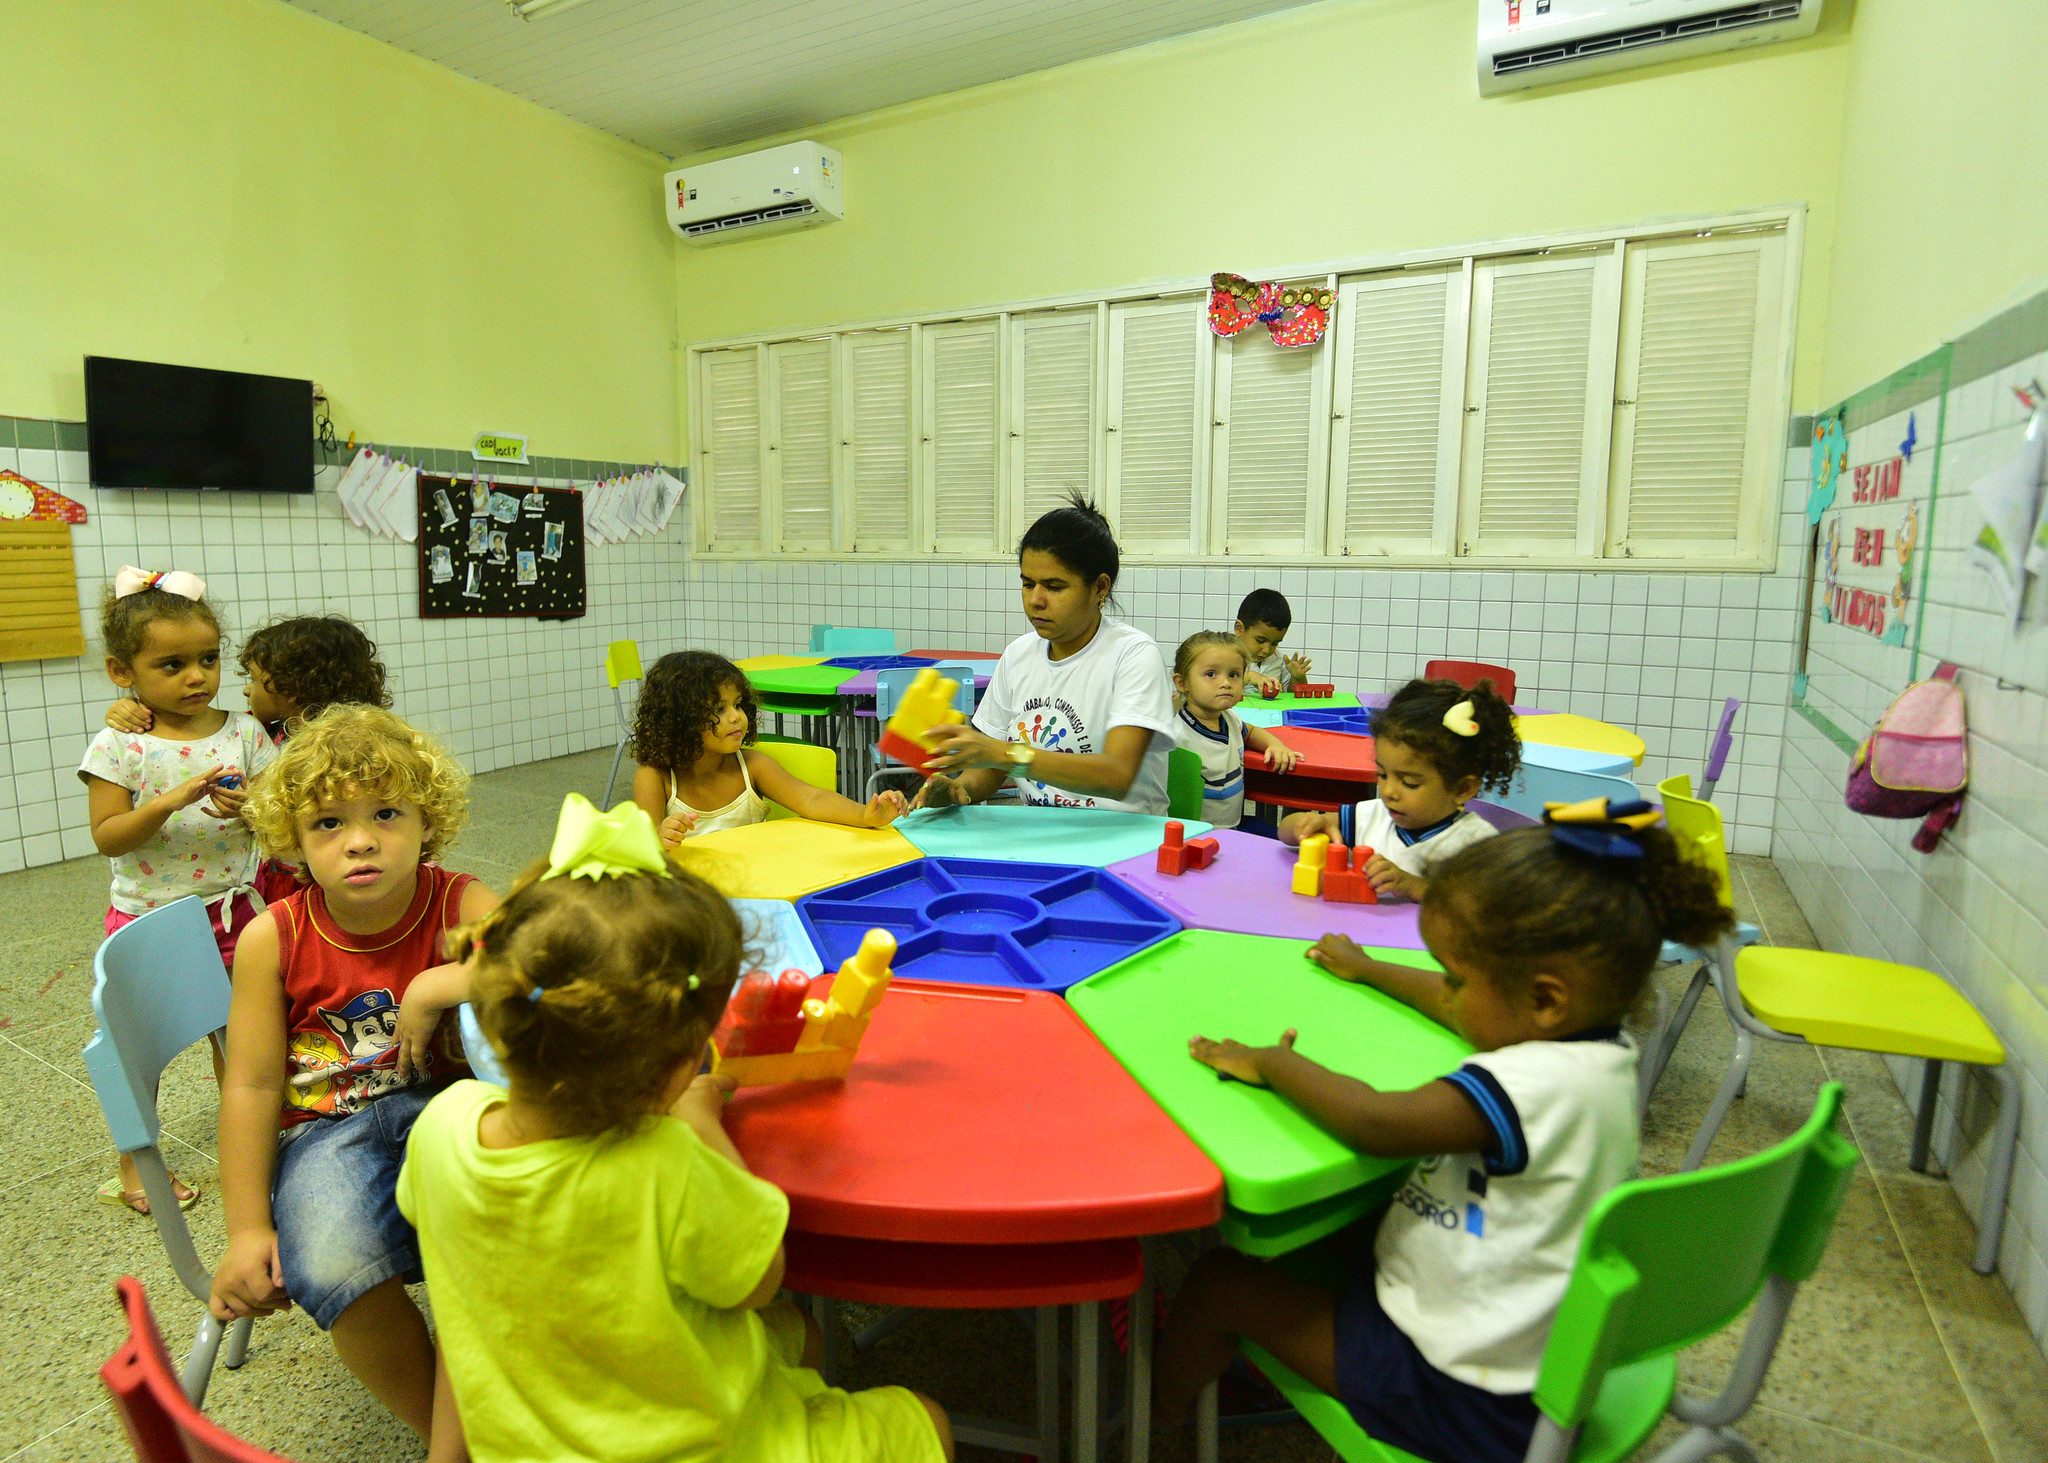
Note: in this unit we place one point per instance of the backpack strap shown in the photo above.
(1927, 837)
(1946, 671)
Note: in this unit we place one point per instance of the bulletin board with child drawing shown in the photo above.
(499, 550)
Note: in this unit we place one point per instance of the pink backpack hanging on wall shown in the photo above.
(1917, 762)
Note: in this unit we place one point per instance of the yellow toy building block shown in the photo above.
(833, 1027)
(1308, 869)
(813, 1066)
(926, 702)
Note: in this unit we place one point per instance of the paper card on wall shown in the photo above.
(671, 489)
(608, 510)
(404, 506)
(367, 491)
(24, 499)
(593, 534)
(357, 475)
(1830, 456)
(380, 504)
(2009, 496)
(650, 503)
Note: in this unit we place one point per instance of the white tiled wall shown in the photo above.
(1657, 653)
(1975, 911)
(500, 692)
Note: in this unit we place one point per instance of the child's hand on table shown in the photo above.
(885, 808)
(1233, 1060)
(1298, 667)
(1297, 826)
(1254, 681)
(130, 715)
(1390, 879)
(1279, 756)
(1340, 955)
(702, 1104)
(676, 827)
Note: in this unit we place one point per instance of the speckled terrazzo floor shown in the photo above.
(1896, 1350)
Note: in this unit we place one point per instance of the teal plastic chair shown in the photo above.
(830, 640)
(158, 987)
(1665, 1263)
(1183, 783)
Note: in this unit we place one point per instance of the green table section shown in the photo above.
(1251, 988)
(800, 680)
(1256, 710)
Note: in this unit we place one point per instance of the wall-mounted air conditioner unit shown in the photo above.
(1525, 43)
(771, 192)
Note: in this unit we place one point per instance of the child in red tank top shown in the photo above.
(336, 1040)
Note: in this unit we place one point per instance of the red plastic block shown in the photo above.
(1314, 690)
(1342, 885)
(1270, 690)
(1177, 856)
(765, 1015)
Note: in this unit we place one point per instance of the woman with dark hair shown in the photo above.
(1079, 710)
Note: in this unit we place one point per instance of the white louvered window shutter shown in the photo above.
(729, 457)
(1396, 412)
(962, 420)
(875, 439)
(1697, 391)
(1156, 431)
(1054, 408)
(1270, 457)
(800, 443)
(1539, 405)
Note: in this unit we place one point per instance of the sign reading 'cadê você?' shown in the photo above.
(499, 447)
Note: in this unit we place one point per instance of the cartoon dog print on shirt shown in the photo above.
(364, 1036)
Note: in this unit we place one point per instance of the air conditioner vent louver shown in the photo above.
(750, 218)
(1713, 22)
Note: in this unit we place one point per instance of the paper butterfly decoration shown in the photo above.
(1296, 314)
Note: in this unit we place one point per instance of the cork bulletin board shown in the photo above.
(499, 550)
(38, 591)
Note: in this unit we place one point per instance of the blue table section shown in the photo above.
(1356, 720)
(878, 662)
(988, 922)
(1028, 834)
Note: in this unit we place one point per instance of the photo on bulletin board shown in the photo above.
(499, 552)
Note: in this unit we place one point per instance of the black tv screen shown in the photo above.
(151, 426)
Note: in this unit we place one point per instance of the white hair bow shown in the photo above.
(171, 581)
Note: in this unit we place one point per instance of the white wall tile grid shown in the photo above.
(500, 692)
(1657, 653)
(1974, 910)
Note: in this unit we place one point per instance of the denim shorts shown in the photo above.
(334, 1201)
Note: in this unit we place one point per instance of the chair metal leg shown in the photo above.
(1140, 1388)
(1205, 1425)
(1048, 1384)
(1087, 1381)
(1732, 1082)
(826, 1313)
(1923, 1117)
(1671, 1031)
(237, 1350)
(1551, 1443)
(1702, 1443)
(1998, 1182)
(618, 753)
(199, 1360)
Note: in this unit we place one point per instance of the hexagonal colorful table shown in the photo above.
(790, 857)
(1092, 837)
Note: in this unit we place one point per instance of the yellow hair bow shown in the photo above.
(593, 845)
(1459, 719)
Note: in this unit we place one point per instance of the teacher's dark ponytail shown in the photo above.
(1079, 537)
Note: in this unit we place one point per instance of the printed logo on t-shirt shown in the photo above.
(356, 1057)
(1415, 1197)
(1052, 724)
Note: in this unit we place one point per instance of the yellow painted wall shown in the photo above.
(1346, 128)
(1944, 179)
(238, 184)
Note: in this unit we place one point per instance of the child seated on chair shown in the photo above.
(1263, 620)
(697, 773)
(1546, 937)
(1208, 679)
(335, 1043)
(604, 1267)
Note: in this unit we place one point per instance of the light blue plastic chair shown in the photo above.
(158, 987)
(830, 640)
(889, 687)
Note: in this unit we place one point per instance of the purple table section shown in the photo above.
(864, 684)
(1246, 892)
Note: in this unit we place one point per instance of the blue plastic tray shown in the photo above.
(878, 662)
(1354, 719)
(989, 921)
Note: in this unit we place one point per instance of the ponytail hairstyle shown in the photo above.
(594, 991)
(1415, 719)
(1080, 538)
(1191, 649)
(1529, 897)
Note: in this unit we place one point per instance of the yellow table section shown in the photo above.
(1866, 1005)
(777, 662)
(791, 857)
(1562, 729)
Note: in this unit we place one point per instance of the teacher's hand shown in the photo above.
(960, 747)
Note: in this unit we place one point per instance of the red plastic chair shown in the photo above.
(997, 1277)
(162, 1426)
(1468, 673)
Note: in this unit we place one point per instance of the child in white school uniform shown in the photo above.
(1438, 746)
(1208, 679)
(1546, 937)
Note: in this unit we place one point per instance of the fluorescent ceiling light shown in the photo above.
(528, 9)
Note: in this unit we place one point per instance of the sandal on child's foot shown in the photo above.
(111, 1192)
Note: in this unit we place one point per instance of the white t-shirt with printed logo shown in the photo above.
(194, 852)
(1476, 1248)
(1117, 679)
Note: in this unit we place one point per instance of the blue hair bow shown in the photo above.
(1601, 827)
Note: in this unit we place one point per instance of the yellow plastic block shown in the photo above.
(1308, 869)
(858, 988)
(843, 1032)
(813, 1066)
(926, 702)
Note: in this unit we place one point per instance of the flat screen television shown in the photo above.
(154, 426)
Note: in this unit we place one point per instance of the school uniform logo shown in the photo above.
(1051, 724)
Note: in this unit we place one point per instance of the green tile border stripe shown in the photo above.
(2011, 335)
(1923, 380)
(1825, 727)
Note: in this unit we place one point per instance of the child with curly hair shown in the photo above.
(1546, 937)
(604, 1267)
(697, 773)
(1438, 746)
(336, 1041)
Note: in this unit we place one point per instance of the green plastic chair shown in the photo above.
(1665, 1263)
(1183, 783)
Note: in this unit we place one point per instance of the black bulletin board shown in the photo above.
(479, 574)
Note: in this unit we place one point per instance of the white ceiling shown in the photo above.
(681, 76)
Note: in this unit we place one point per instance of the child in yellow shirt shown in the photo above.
(603, 1266)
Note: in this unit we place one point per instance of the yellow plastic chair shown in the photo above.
(819, 766)
(621, 668)
(1826, 999)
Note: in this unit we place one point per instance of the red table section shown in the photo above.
(976, 1116)
(1336, 768)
